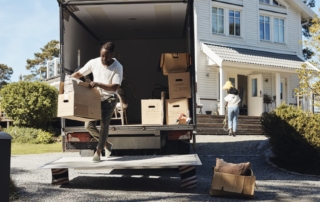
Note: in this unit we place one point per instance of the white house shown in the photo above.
(253, 43)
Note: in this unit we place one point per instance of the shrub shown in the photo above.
(294, 135)
(29, 104)
(29, 135)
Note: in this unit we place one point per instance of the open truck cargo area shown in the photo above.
(141, 31)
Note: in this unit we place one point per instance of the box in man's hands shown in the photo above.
(83, 104)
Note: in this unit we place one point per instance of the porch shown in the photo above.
(255, 74)
(213, 125)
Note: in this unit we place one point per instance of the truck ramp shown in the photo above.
(185, 163)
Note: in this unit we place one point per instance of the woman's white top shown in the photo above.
(233, 100)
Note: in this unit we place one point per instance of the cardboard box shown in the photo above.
(224, 184)
(152, 111)
(82, 105)
(179, 85)
(174, 107)
(174, 62)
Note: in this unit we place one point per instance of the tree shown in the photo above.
(310, 80)
(306, 30)
(38, 65)
(29, 104)
(5, 74)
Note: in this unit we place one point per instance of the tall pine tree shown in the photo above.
(38, 65)
(5, 74)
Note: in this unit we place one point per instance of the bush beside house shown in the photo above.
(294, 136)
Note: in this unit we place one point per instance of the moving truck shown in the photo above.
(141, 30)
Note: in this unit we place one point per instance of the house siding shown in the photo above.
(250, 24)
(293, 82)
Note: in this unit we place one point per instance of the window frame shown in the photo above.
(224, 30)
(227, 8)
(279, 25)
(272, 16)
(265, 16)
(271, 3)
(234, 22)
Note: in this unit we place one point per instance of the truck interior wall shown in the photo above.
(76, 37)
(140, 60)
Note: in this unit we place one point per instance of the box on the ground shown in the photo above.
(174, 62)
(225, 184)
(152, 111)
(82, 105)
(179, 85)
(78, 137)
(174, 107)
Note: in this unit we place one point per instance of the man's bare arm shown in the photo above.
(77, 75)
(107, 87)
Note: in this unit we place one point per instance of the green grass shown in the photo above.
(26, 148)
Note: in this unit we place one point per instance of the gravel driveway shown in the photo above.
(164, 185)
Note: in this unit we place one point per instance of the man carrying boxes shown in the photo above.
(107, 77)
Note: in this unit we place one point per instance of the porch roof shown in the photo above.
(256, 57)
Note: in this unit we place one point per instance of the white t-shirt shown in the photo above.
(233, 100)
(107, 75)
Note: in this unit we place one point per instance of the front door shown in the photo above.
(255, 95)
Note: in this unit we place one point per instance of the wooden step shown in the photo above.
(213, 125)
(221, 121)
(220, 125)
(226, 133)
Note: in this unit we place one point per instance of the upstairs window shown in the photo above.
(234, 23)
(271, 2)
(264, 28)
(265, 1)
(278, 31)
(217, 20)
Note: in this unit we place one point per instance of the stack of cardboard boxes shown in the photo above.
(175, 66)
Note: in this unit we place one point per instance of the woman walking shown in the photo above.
(232, 102)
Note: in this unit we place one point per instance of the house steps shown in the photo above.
(213, 125)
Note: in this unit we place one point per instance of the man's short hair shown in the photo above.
(108, 46)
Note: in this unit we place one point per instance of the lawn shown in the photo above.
(26, 148)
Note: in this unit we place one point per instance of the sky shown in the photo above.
(28, 25)
(25, 27)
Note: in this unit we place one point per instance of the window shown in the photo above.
(234, 23)
(233, 81)
(278, 30)
(272, 2)
(217, 20)
(264, 28)
(265, 1)
(254, 89)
